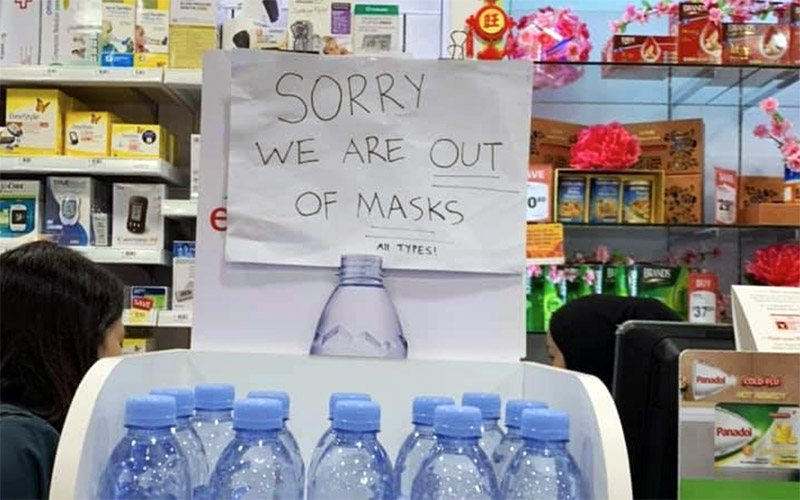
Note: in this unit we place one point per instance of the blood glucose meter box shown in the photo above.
(77, 211)
(137, 216)
(19, 211)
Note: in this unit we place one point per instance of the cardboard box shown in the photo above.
(376, 29)
(88, 133)
(71, 32)
(758, 189)
(194, 165)
(20, 23)
(676, 146)
(183, 266)
(138, 141)
(725, 191)
(187, 44)
(551, 141)
(794, 40)
(756, 43)
(193, 13)
(323, 26)
(35, 121)
(252, 25)
(540, 193)
(670, 285)
(19, 210)
(138, 346)
(683, 199)
(118, 33)
(137, 216)
(77, 211)
(641, 49)
(771, 214)
(152, 34)
(699, 39)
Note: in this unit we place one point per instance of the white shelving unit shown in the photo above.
(130, 256)
(120, 167)
(179, 209)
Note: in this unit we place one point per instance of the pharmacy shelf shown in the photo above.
(116, 167)
(77, 76)
(179, 209)
(131, 256)
(175, 319)
(185, 85)
(157, 319)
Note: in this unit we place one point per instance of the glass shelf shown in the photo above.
(678, 227)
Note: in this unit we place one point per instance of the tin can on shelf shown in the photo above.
(571, 199)
(637, 207)
(604, 200)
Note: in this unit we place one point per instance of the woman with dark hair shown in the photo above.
(59, 313)
(582, 334)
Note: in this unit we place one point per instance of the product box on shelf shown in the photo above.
(676, 146)
(19, 32)
(683, 199)
(256, 25)
(194, 165)
(35, 122)
(150, 298)
(77, 211)
(756, 43)
(376, 29)
(702, 297)
(540, 193)
(138, 345)
(771, 214)
(546, 296)
(137, 216)
(652, 49)
(187, 44)
(551, 141)
(138, 141)
(19, 210)
(193, 13)
(754, 189)
(794, 40)
(321, 26)
(725, 190)
(183, 253)
(88, 133)
(118, 33)
(615, 280)
(668, 284)
(152, 34)
(71, 32)
(580, 281)
(699, 38)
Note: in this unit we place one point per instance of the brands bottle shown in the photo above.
(147, 463)
(188, 440)
(355, 465)
(327, 436)
(213, 421)
(456, 467)
(359, 318)
(489, 405)
(417, 445)
(256, 464)
(285, 435)
(512, 440)
(543, 468)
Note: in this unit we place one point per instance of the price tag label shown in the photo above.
(95, 162)
(139, 73)
(703, 307)
(130, 254)
(24, 161)
(102, 72)
(138, 317)
(52, 72)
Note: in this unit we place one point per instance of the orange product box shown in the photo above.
(756, 44)
(675, 146)
(683, 199)
(771, 214)
(699, 39)
(540, 193)
(794, 41)
(551, 141)
(756, 189)
(642, 49)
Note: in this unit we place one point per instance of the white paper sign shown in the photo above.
(766, 319)
(422, 162)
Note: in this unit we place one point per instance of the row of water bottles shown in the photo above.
(184, 444)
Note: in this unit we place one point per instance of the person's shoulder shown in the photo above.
(20, 425)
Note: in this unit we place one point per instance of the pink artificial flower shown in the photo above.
(715, 15)
(605, 146)
(527, 37)
(573, 51)
(614, 26)
(674, 8)
(544, 39)
(629, 14)
(769, 105)
(761, 131)
(545, 19)
(629, 260)
(662, 9)
(690, 256)
(709, 3)
(642, 16)
(570, 275)
(791, 154)
(590, 277)
(535, 271)
(779, 127)
(601, 254)
(555, 275)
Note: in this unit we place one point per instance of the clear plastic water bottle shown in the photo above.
(456, 467)
(327, 436)
(417, 445)
(256, 464)
(187, 438)
(285, 435)
(147, 463)
(489, 405)
(354, 466)
(359, 318)
(212, 420)
(512, 441)
(543, 468)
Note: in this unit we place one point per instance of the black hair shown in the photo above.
(55, 307)
(585, 330)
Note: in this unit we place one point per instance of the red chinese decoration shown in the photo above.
(490, 23)
(776, 265)
(605, 147)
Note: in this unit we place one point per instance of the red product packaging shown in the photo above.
(703, 297)
(699, 39)
(642, 49)
(725, 189)
(540, 192)
(794, 42)
(757, 44)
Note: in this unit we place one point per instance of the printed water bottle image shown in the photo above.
(147, 463)
(213, 421)
(417, 445)
(489, 404)
(188, 440)
(456, 467)
(543, 468)
(512, 441)
(359, 318)
(256, 464)
(355, 465)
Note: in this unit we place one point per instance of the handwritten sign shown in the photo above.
(421, 162)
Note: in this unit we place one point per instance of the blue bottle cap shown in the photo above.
(457, 421)
(514, 409)
(424, 406)
(341, 396)
(486, 402)
(151, 412)
(281, 396)
(213, 396)
(184, 399)
(257, 414)
(545, 425)
(357, 415)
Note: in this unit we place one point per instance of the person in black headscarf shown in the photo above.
(582, 333)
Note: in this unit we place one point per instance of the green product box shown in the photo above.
(668, 284)
(545, 297)
(615, 281)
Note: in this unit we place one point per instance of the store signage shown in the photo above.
(766, 319)
(422, 162)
